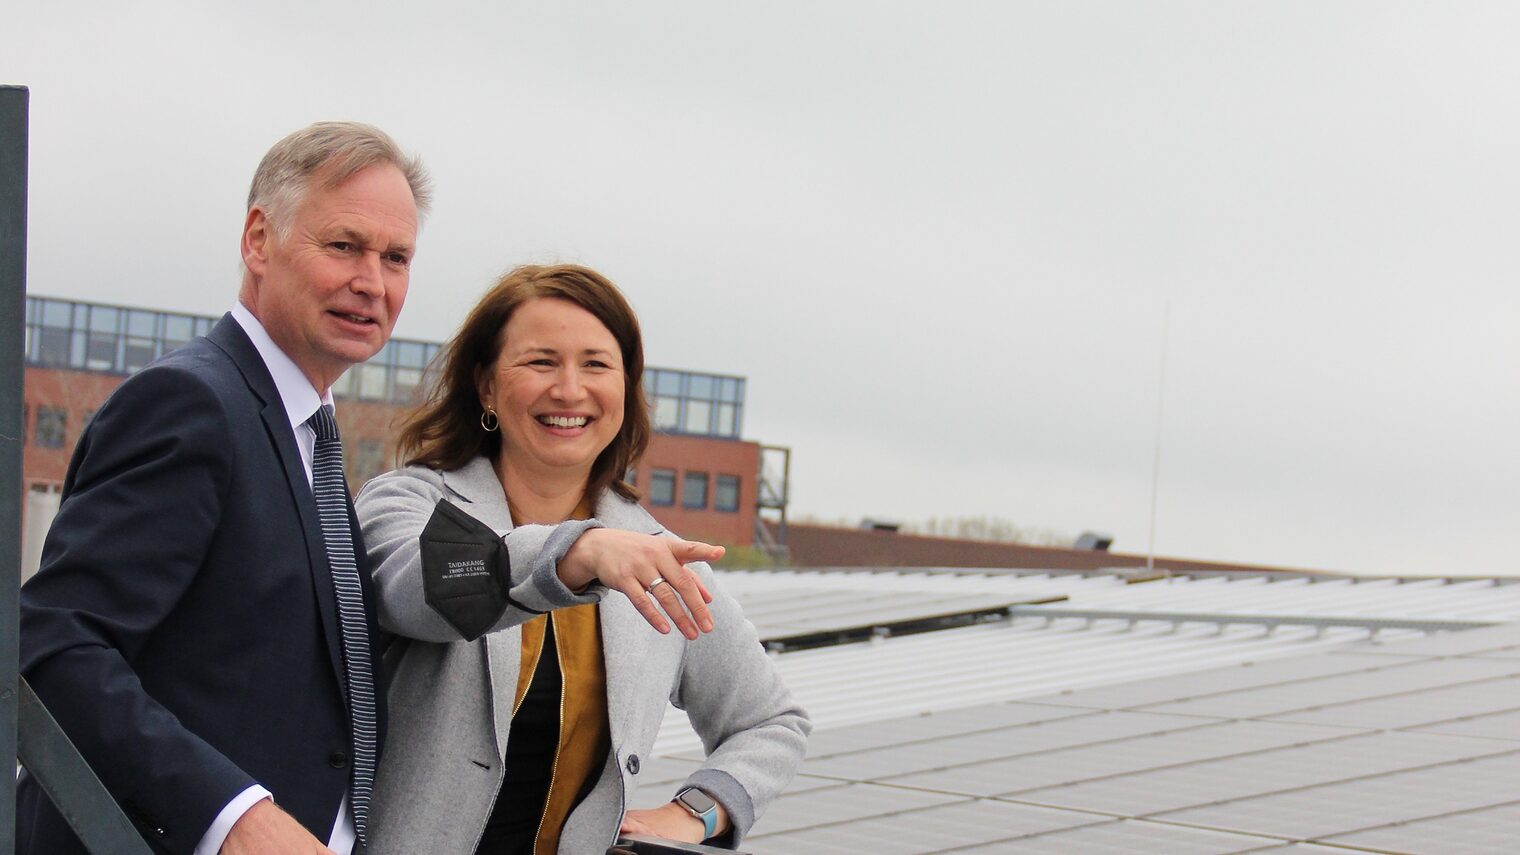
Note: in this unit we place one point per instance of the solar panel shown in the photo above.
(1013, 776)
(928, 726)
(844, 802)
(1264, 772)
(1425, 707)
(1215, 681)
(932, 829)
(1499, 725)
(1388, 801)
(956, 751)
(1106, 737)
(1495, 829)
(1400, 677)
(1127, 837)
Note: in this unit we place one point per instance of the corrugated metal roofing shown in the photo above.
(1107, 736)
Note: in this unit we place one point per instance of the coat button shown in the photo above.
(633, 764)
(337, 759)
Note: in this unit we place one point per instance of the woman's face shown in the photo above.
(557, 386)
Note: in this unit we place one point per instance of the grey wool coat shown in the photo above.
(451, 700)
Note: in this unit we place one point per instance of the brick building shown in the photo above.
(698, 476)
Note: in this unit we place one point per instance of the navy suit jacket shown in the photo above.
(183, 627)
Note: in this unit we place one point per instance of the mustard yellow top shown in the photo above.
(584, 735)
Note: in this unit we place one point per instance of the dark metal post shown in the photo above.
(72, 785)
(42, 747)
(13, 154)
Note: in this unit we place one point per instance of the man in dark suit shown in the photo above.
(184, 628)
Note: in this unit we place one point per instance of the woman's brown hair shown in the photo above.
(444, 431)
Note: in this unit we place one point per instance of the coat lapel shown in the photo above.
(477, 485)
(479, 493)
(626, 636)
(230, 338)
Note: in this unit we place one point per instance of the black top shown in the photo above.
(531, 746)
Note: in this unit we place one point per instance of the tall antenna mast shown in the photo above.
(1150, 547)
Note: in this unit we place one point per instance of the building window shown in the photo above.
(662, 487)
(371, 382)
(52, 425)
(178, 330)
(100, 352)
(698, 416)
(693, 403)
(694, 490)
(62, 333)
(726, 496)
(727, 421)
(667, 413)
(53, 337)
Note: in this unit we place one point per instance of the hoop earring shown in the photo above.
(492, 424)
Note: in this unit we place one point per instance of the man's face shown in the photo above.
(328, 290)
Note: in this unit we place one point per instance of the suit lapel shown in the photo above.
(230, 337)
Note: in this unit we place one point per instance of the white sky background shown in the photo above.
(936, 237)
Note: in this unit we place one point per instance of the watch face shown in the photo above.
(697, 800)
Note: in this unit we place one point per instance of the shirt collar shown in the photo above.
(296, 392)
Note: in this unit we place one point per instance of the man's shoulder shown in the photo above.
(196, 369)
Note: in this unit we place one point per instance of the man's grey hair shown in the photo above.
(337, 150)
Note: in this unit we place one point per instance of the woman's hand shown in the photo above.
(670, 821)
(630, 562)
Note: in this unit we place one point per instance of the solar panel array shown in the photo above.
(778, 613)
(1026, 658)
(1399, 746)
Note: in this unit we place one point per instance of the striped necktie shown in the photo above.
(332, 505)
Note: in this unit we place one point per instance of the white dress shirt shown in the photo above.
(300, 400)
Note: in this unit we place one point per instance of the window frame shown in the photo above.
(656, 475)
(690, 477)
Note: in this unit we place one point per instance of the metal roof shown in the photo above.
(1119, 735)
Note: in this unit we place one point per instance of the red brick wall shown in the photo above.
(715, 457)
(82, 392)
(78, 392)
(827, 546)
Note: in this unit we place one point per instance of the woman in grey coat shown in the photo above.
(515, 733)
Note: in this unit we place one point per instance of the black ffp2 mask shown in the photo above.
(466, 571)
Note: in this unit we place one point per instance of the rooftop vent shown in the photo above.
(1093, 541)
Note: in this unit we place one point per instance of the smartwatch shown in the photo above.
(701, 806)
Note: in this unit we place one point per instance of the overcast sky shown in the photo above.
(938, 238)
